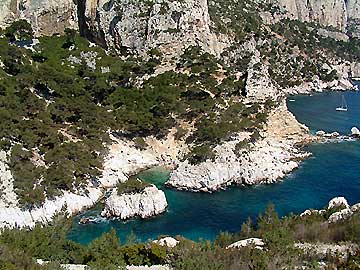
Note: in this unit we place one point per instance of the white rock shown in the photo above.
(340, 215)
(309, 212)
(355, 207)
(124, 159)
(153, 267)
(355, 132)
(151, 201)
(338, 202)
(255, 242)
(72, 203)
(269, 159)
(167, 241)
(321, 250)
(320, 133)
(75, 267)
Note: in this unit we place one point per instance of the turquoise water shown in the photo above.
(333, 170)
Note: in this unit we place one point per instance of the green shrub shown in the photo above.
(19, 30)
(133, 185)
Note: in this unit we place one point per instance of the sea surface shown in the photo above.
(332, 170)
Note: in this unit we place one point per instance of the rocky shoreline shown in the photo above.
(265, 161)
(268, 160)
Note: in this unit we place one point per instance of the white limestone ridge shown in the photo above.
(355, 132)
(267, 161)
(151, 201)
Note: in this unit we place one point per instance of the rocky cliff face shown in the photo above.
(139, 26)
(166, 25)
(46, 16)
(125, 25)
(268, 159)
(340, 14)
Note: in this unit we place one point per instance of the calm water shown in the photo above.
(333, 170)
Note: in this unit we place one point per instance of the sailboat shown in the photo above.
(343, 107)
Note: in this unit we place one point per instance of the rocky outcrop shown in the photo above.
(125, 158)
(338, 202)
(124, 25)
(342, 15)
(355, 132)
(11, 215)
(167, 241)
(325, 12)
(150, 202)
(345, 72)
(252, 242)
(322, 251)
(46, 16)
(71, 203)
(355, 71)
(340, 215)
(267, 161)
(340, 205)
(169, 26)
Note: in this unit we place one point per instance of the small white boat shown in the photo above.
(292, 100)
(343, 107)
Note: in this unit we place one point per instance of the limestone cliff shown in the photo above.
(269, 159)
(339, 14)
(46, 16)
(125, 25)
(139, 26)
(128, 25)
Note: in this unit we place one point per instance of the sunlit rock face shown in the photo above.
(47, 17)
(339, 14)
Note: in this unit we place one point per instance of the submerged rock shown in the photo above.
(150, 202)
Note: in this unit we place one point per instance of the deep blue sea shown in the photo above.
(333, 170)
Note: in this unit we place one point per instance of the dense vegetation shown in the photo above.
(294, 50)
(133, 185)
(60, 99)
(20, 248)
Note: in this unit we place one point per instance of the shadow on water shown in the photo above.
(331, 171)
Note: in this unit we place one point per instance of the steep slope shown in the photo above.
(46, 16)
(339, 14)
(133, 25)
(191, 84)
